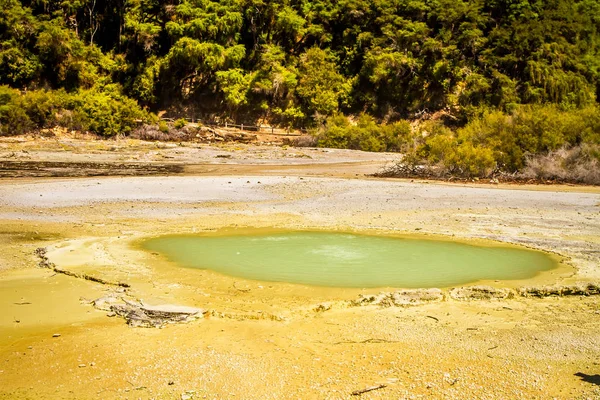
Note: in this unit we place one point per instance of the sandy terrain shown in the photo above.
(262, 340)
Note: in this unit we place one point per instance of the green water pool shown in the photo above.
(350, 260)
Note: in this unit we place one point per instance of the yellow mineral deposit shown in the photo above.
(95, 315)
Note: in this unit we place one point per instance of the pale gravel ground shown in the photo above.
(510, 349)
(176, 189)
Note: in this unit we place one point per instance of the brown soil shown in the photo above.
(274, 340)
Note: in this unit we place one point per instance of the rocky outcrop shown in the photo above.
(410, 297)
(406, 297)
(142, 315)
(480, 293)
(156, 316)
(589, 289)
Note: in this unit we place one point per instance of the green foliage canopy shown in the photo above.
(389, 58)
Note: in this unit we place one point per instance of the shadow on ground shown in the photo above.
(593, 379)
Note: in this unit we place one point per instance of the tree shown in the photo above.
(321, 87)
(192, 65)
(234, 84)
(390, 58)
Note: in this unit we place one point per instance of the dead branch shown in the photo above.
(367, 389)
(367, 341)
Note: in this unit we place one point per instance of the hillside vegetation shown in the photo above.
(507, 80)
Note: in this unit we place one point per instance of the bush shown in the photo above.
(449, 156)
(397, 135)
(42, 107)
(13, 119)
(180, 123)
(471, 161)
(107, 113)
(335, 133)
(532, 141)
(163, 127)
(366, 135)
(531, 130)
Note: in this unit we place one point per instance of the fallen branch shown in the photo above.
(434, 318)
(367, 341)
(368, 389)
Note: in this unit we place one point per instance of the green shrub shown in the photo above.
(588, 126)
(366, 135)
(335, 133)
(535, 137)
(163, 127)
(180, 123)
(437, 147)
(105, 113)
(108, 114)
(13, 118)
(397, 135)
(531, 130)
(43, 107)
(450, 156)
(470, 161)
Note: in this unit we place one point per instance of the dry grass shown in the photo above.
(402, 169)
(301, 141)
(152, 133)
(579, 164)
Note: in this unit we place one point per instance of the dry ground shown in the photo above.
(266, 340)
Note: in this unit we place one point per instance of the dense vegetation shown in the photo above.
(481, 64)
(533, 141)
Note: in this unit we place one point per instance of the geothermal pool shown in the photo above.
(350, 260)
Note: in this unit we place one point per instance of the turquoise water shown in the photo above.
(349, 260)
